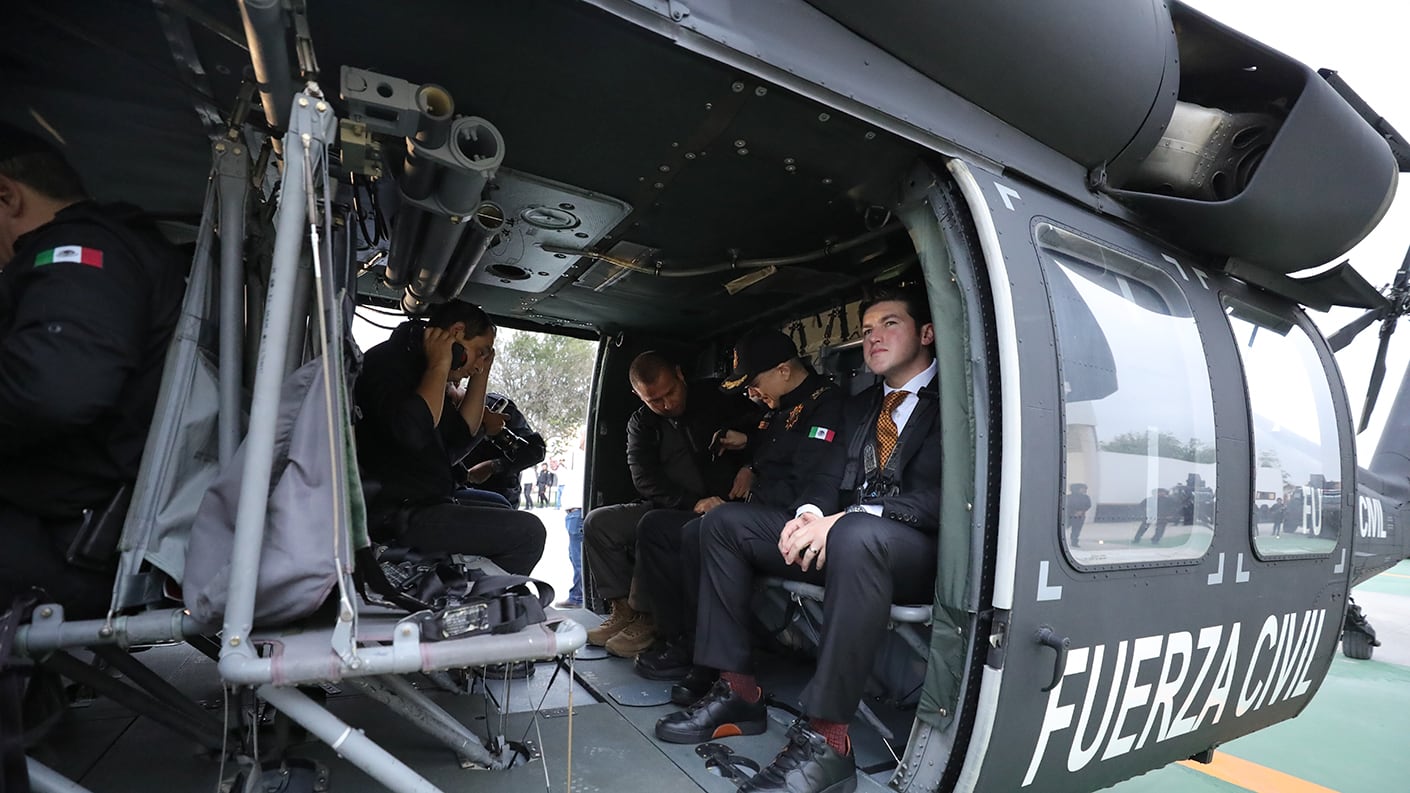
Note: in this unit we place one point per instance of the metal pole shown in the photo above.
(204, 732)
(312, 124)
(266, 33)
(232, 185)
(44, 779)
(299, 331)
(360, 750)
(402, 697)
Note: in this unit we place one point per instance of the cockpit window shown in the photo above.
(1296, 450)
(1139, 437)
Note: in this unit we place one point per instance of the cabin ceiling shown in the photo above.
(714, 164)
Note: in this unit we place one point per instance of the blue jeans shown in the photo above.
(573, 522)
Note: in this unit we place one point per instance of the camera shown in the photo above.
(507, 442)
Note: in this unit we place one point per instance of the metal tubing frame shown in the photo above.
(360, 750)
(48, 631)
(43, 779)
(423, 713)
(153, 684)
(265, 31)
(406, 654)
(232, 180)
(312, 123)
(136, 700)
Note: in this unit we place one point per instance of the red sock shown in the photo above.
(835, 732)
(744, 685)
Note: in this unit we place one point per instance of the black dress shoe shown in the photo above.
(806, 765)
(668, 662)
(695, 685)
(719, 714)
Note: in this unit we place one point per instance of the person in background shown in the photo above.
(412, 432)
(510, 445)
(680, 473)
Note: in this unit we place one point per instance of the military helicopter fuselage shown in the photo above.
(1152, 514)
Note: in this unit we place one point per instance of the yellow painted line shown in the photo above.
(1252, 776)
(1395, 575)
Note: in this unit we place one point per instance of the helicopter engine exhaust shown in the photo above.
(1206, 153)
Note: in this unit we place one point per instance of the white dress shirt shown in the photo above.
(900, 415)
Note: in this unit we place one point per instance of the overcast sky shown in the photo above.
(1364, 40)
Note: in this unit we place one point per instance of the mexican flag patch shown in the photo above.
(822, 434)
(70, 253)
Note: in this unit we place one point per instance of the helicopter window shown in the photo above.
(1297, 476)
(1139, 437)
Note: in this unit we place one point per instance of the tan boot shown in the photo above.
(634, 638)
(621, 616)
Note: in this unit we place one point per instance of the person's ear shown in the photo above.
(927, 334)
(457, 329)
(11, 197)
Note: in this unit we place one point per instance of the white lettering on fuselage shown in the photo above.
(1370, 520)
(1144, 706)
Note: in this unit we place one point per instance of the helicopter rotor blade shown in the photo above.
(1378, 376)
(1352, 329)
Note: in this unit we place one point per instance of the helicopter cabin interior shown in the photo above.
(574, 174)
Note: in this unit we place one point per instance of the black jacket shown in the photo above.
(403, 456)
(794, 448)
(87, 308)
(917, 458)
(670, 458)
(505, 479)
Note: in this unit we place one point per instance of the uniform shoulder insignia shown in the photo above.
(821, 391)
(78, 254)
(793, 416)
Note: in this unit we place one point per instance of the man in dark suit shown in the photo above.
(877, 551)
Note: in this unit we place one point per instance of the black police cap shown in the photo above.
(15, 142)
(755, 353)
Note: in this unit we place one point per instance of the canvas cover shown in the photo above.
(298, 564)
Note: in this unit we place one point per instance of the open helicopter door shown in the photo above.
(1137, 607)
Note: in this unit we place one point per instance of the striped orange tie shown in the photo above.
(886, 433)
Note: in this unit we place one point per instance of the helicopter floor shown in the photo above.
(108, 750)
(1350, 738)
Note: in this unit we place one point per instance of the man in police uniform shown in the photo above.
(88, 300)
(792, 449)
(880, 550)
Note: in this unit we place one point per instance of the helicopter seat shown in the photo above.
(901, 660)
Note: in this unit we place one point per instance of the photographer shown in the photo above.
(510, 445)
(412, 432)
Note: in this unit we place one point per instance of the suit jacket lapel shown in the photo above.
(921, 421)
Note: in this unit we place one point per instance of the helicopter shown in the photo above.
(1107, 204)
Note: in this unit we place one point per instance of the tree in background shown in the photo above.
(1167, 445)
(549, 377)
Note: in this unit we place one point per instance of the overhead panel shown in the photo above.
(537, 212)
